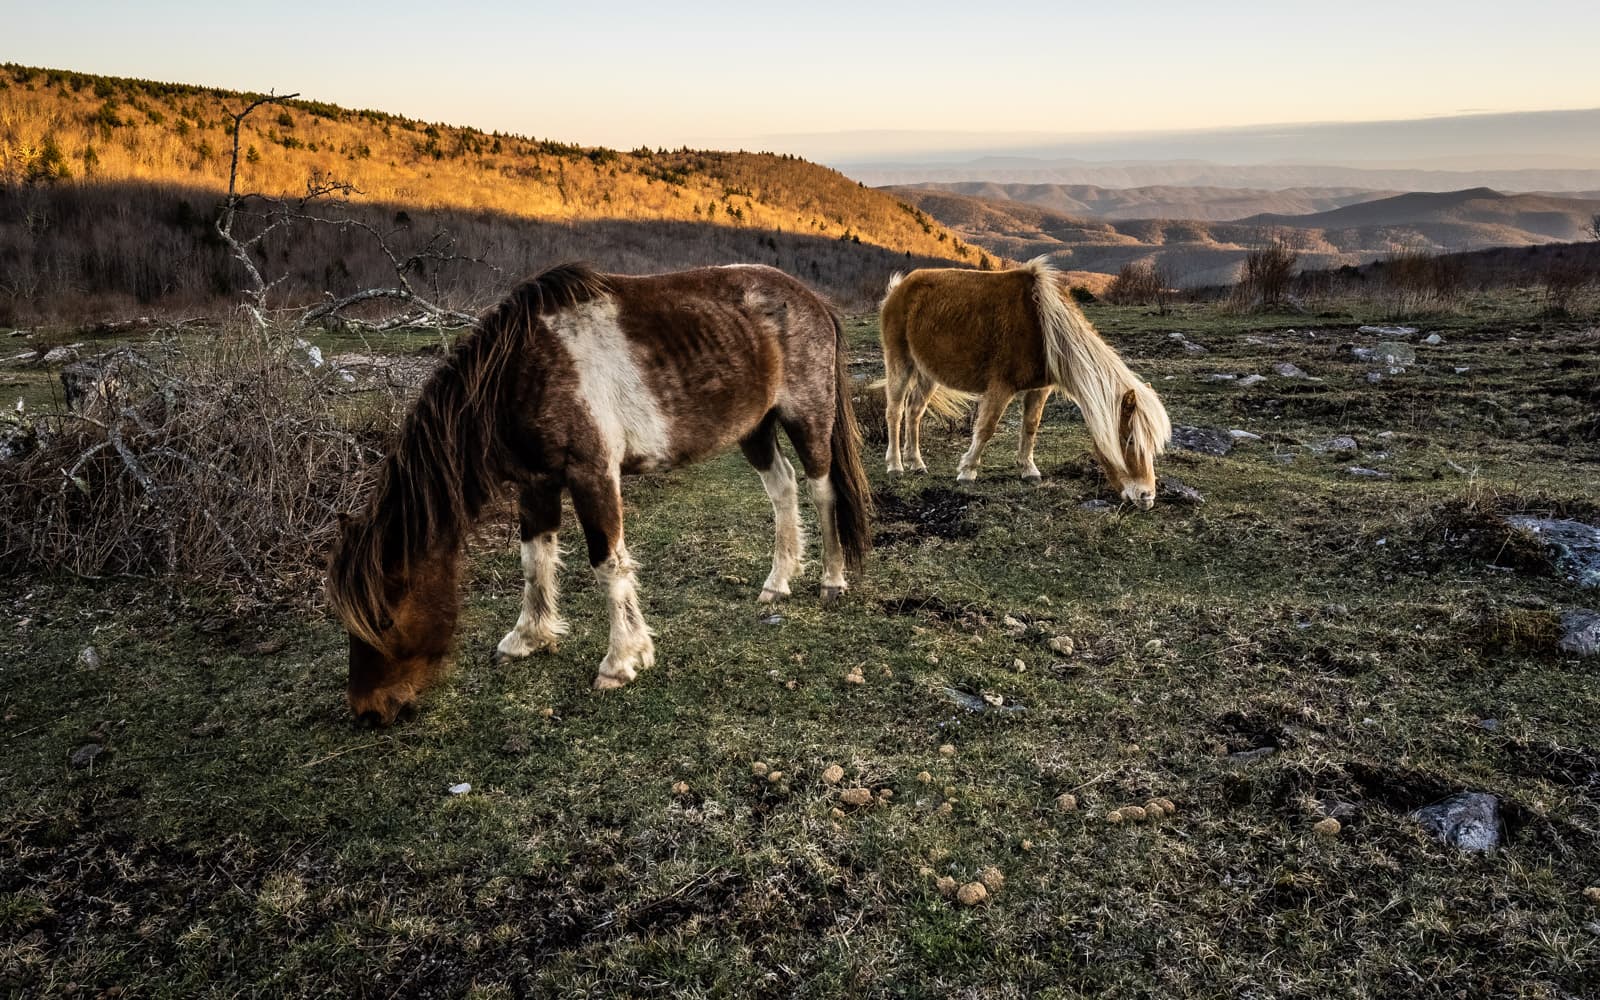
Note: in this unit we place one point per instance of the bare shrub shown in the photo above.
(1265, 280)
(223, 460)
(1138, 283)
(1417, 280)
(1563, 284)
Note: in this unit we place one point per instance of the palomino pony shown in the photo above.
(573, 381)
(993, 334)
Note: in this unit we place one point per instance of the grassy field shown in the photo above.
(1308, 643)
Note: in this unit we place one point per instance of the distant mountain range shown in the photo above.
(1218, 204)
(1203, 252)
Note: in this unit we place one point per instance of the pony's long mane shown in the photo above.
(1094, 375)
(450, 459)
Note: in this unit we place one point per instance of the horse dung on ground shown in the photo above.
(950, 334)
(575, 380)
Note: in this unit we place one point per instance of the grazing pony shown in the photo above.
(573, 381)
(993, 334)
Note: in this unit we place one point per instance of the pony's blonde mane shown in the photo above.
(1087, 369)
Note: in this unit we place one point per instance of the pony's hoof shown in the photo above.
(607, 683)
(769, 596)
(922, 471)
(831, 595)
(1033, 480)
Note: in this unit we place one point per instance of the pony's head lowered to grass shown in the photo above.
(392, 578)
(1142, 431)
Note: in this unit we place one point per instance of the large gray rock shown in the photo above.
(1580, 632)
(1575, 545)
(1469, 820)
(1206, 440)
(1388, 331)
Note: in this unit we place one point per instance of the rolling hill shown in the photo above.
(1200, 252)
(66, 139)
(1218, 204)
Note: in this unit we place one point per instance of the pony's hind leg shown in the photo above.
(921, 392)
(538, 627)
(597, 498)
(1032, 414)
(810, 437)
(898, 381)
(760, 447)
(990, 408)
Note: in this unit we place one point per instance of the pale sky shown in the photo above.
(764, 76)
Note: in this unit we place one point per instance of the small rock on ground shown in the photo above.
(1469, 820)
(1204, 440)
(85, 755)
(1365, 473)
(1250, 380)
(1177, 491)
(89, 658)
(1580, 632)
(1388, 331)
(1288, 370)
(1576, 545)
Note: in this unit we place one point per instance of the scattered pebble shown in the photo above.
(461, 789)
(946, 886)
(854, 676)
(833, 774)
(836, 813)
(758, 768)
(1062, 644)
(1135, 813)
(680, 788)
(1153, 646)
(885, 794)
(1166, 804)
(1067, 802)
(1250, 380)
(1239, 435)
(547, 712)
(946, 809)
(949, 749)
(775, 776)
(1027, 845)
(1154, 809)
(924, 777)
(1018, 665)
(85, 755)
(1592, 894)
(856, 796)
(1114, 816)
(1326, 828)
(89, 658)
(992, 878)
(972, 894)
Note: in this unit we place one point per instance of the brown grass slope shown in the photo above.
(71, 132)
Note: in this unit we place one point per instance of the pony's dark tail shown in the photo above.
(852, 494)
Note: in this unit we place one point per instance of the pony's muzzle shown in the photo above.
(1143, 496)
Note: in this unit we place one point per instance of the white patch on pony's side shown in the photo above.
(1089, 371)
(538, 628)
(611, 384)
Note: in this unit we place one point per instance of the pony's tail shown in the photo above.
(852, 494)
(945, 402)
(894, 282)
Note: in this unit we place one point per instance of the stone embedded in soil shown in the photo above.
(1592, 894)
(89, 658)
(1288, 370)
(1433, 340)
(758, 768)
(461, 788)
(1067, 802)
(1205, 440)
(972, 894)
(85, 755)
(1175, 490)
(1326, 828)
(948, 749)
(856, 796)
(1239, 435)
(1388, 331)
(946, 886)
(1062, 644)
(1580, 632)
(1342, 443)
(1361, 472)
(992, 878)
(1135, 813)
(1250, 380)
(1575, 545)
(680, 788)
(833, 774)
(1469, 820)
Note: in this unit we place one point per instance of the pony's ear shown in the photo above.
(1130, 402)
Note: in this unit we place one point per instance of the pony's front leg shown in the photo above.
(598, 501)
(896, 383)
(760, 447)
(538, 627)
(833, 582)
(990, 409)
(1032, 415)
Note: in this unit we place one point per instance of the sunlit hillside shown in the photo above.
(75, 128)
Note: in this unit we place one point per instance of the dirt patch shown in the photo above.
(935, 512)
(969, 616)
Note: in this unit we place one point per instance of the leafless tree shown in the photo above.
(318, 206)
(1594, 227)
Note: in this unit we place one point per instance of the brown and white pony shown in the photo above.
(993, 334)
(573, 381)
